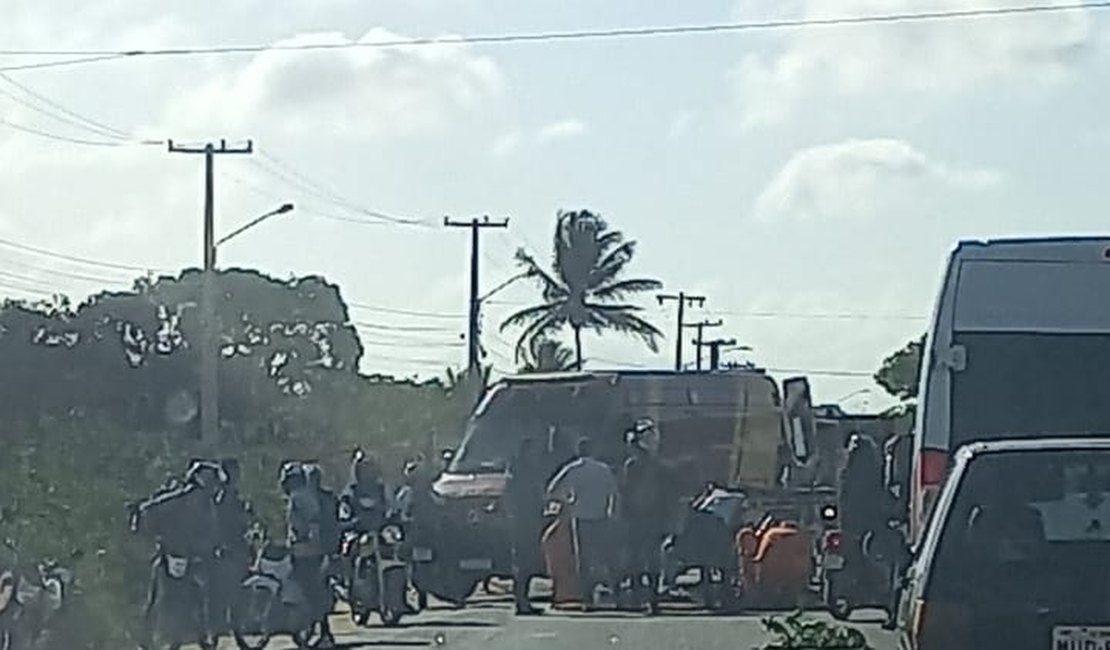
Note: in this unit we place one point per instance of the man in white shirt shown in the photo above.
(588, 487)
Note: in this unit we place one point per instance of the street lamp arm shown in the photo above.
(283, 209)
(503, 285)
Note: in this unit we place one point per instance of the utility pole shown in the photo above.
(699, 341)
(475, 226)
(682, 300)
(715, 351)
(209, 353)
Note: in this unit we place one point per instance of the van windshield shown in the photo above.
(552, 414)
(1030, 384)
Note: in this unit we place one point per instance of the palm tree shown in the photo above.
(547, 355)
(584, 286)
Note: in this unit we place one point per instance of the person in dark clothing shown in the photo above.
(524, 498)
(309, 538)
(644, 503)
(863, 505)
(364, 494)
(185, 523)
(233, 520)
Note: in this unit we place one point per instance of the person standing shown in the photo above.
(587, 486)
(645, 501)
(524, 495)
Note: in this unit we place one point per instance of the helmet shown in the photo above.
(291, 475)
(312, 474)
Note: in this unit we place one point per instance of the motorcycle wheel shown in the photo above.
(255, 606)
(394, 590)
(5, 639)
(839, 606)
(361, 617)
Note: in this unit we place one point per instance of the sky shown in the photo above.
(809, 182)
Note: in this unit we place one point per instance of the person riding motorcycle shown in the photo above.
(233, 519)
(312, 530)
(184, 523)
(363, 500)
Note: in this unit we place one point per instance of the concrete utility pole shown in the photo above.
(699, 340)
(682, 300)
(209, 353)
(715, 351)
(475, 226)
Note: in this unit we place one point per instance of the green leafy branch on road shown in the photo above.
(798, 633)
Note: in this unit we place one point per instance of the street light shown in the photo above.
(284, 208)
(209, 374)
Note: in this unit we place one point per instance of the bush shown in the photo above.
(798, 633)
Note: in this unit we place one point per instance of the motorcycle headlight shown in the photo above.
(392, 534)
(828, 513)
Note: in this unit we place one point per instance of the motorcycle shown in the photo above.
(379, 574)
(176, 615)
(40, 602)
(271, 602)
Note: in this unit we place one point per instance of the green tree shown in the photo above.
(584, 288)
(548, 355)
(900, 371)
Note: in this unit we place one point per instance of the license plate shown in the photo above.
(1081, 637)
(833, 562)
(422, 554)
(476, 564)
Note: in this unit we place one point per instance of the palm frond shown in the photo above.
(550, 286)
(609, 239)
(539, 327)
(622, 318)
(577, 249)
(619, 290)
(613, 263)
(529, 315)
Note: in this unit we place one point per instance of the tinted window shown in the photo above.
(1023, 385)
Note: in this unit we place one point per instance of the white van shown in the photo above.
(1019, 346)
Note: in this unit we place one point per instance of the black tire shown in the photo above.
(840, 607)
(253, 605)
(394, 589)
(455, 590)
(360, 617)
(303, 639)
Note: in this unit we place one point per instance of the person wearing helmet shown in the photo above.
(644, 499)
(314, 537)
(364, 495)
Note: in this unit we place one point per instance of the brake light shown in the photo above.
(833, 539)
(933, 467)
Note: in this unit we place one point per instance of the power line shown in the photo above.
(62, 63)
(406, 312)
(403, 328)
(90, 56)
(58, 136)
(284, 172)
(73, 258)
(62, 114)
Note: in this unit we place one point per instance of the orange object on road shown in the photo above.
(562, 564)
(775, 564)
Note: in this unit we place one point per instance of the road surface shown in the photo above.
(489, 624)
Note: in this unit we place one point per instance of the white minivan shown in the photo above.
(1017, 553)
(1019, 346)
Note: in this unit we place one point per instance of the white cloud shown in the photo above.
(357, 91)
(561, 130)
(856, 179)
(921, 57)
(506, 144)
(681, 123)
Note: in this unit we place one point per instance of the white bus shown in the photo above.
(1019, 346)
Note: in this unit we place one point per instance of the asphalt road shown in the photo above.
(489, 624)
